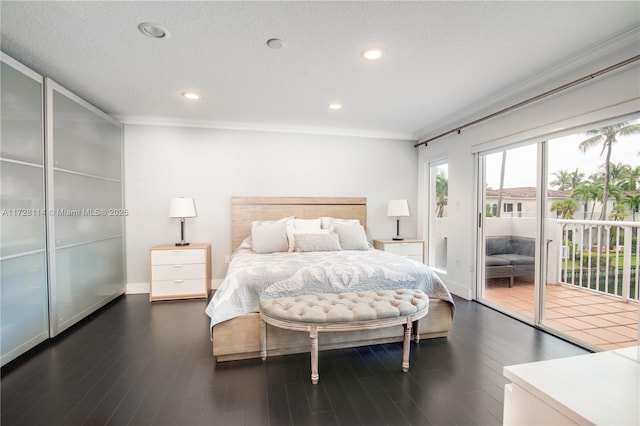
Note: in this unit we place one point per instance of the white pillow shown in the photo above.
(307, 225)
(327, 222)
(352, 237)
(270, 236)
(317, 242)
(302, 225)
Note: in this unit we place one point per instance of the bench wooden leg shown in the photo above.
(313, 335)
(406, 346)
(416, 331)
(263, 339)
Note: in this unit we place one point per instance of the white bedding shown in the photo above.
(252, 277)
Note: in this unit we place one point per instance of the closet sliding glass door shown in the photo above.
(86, 229)
(23, 281)
(62, 221)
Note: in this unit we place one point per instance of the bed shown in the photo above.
(309, 266)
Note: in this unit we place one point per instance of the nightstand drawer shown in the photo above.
(178, 272)
(179, 288)
(405, 249)
(178, 256)
(410, 248)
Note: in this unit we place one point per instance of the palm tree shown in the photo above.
(596, 195)
(586, 192)
(564, 208)
(607, 136)
(563, 180)
(442, 193)
(617, 173)
(502, 167)
(615, 191)
(576, 177)
(634, 202)
(618, 212)
(631, 178)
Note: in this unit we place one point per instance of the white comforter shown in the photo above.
(252, 277)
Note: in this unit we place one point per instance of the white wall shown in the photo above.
(605, 97)
(212, 165)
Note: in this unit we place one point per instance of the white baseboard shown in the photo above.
(137, 288)
(140, 288)
(459, 290)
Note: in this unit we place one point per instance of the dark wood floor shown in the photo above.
(136, 363)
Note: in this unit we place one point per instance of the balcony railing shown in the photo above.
(602, 256)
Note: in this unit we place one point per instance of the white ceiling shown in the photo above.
(441, 57)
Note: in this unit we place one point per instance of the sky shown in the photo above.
(563, 154)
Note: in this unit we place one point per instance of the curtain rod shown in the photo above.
(534, 99)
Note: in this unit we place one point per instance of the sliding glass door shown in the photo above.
(558, 232)
(508, 230)
(591, 292)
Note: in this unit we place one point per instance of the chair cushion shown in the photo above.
(517, 259)
(496, 261)
(346, 307)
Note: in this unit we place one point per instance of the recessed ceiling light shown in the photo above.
(373, 53)
(335, 106)
(153, 30)
(275, 43)
(191, 95)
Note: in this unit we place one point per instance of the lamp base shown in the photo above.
(182, 243)
(398, 238)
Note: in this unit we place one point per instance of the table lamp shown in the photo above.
(182, 208)
(398, 208)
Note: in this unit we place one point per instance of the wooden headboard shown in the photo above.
(245, 210)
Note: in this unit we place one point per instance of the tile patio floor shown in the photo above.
(596, 320)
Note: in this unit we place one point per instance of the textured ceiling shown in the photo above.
(441, 57)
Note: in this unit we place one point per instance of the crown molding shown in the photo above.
(255, 127)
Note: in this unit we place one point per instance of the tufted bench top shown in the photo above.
(344, 312)
(359, 306)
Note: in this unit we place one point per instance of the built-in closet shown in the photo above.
(62, 221)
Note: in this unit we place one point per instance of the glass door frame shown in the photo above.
(541, 216)
(430, 214)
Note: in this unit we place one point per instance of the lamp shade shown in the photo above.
(398, 208)
(182, 207)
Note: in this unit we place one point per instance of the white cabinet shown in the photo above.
(60, 165)
(601, 388)
(411, 248)
(179, 272)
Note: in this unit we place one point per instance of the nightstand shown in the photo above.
(411, 248)
(179, 272)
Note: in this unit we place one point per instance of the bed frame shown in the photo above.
(239, 338)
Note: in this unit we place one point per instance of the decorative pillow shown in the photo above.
(317, 242)
(270, 236)
(327, 222)
(352, 237)
(292, 232)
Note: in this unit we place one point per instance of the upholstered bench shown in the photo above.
(343, 312)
